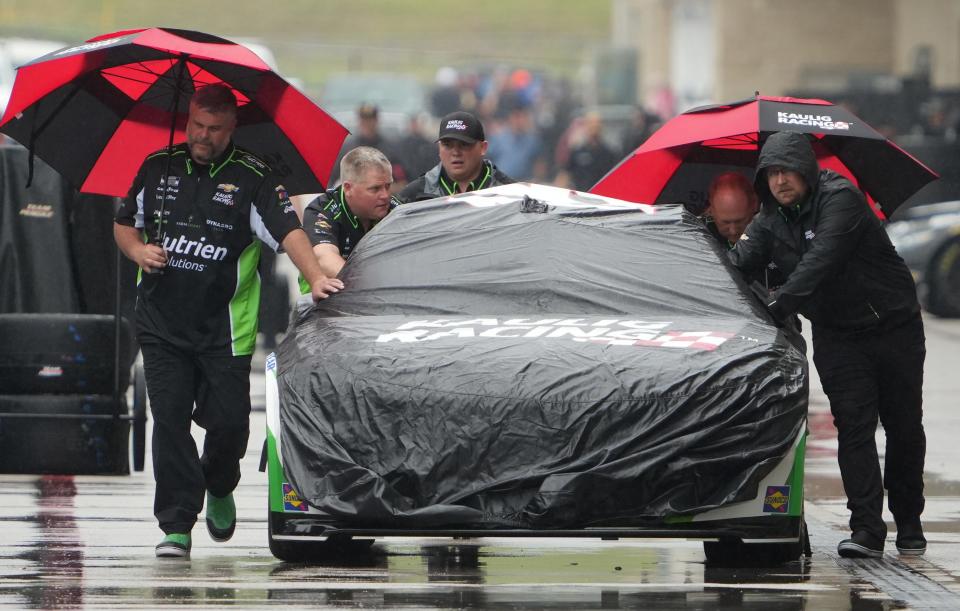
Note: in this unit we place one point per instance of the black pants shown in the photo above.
(867, 377)
(220, 387)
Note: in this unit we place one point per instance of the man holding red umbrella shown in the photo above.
(212, 205)
(845, 276)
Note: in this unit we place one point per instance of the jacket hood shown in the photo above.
(790, 150)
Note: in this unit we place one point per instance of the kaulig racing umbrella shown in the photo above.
(94, 111)
(680, 159)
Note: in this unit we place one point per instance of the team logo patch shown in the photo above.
(291, 500)
(223, 198)
(777, 499)
(322, 224)
(92, 45)
(810, 120)
(38, 211)
(224, 194)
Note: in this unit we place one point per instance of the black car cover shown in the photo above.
(531, 357)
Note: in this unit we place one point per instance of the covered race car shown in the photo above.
(533, 361)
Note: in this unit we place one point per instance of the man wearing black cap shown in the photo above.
(846, 278)
(461, 145)
(367, 134)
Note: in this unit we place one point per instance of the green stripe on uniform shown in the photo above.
(245, 304)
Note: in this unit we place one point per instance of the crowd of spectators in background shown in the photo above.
(541, 129)
(538, 128)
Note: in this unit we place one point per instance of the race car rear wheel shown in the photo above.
(944, 291)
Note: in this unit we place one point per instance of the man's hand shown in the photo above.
(324, 287)
(151, 258)
(301, 253)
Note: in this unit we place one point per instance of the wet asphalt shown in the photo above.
(86, 542)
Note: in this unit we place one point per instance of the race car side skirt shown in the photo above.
(749, 530)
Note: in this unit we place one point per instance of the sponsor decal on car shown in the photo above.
(291, 500)
(50, 371)
(777, 499)
(612, 332)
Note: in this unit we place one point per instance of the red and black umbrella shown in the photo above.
(678, 161)
(94, 111)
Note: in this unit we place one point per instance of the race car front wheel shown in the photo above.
(736, 553)
(335, 549)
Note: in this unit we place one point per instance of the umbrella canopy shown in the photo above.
(94, 111)
(678, 161)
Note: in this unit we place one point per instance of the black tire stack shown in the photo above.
(55, 369)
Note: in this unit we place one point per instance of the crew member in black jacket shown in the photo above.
(461, 145)
(843, 274)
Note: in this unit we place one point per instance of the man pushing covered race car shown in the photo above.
(534, 361)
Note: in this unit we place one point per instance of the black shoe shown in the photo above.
(861, 545)
(910, 539)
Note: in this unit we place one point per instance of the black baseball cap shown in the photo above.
(461, 126)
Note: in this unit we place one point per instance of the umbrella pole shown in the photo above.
(175, 105)
(116, 337)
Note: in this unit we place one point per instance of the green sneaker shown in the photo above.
(221, 517)
(174, 545)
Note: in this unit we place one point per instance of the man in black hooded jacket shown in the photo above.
(844, 275)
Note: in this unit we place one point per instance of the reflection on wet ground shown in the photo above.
(93, 549)
(56, 552)
(87, 542)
